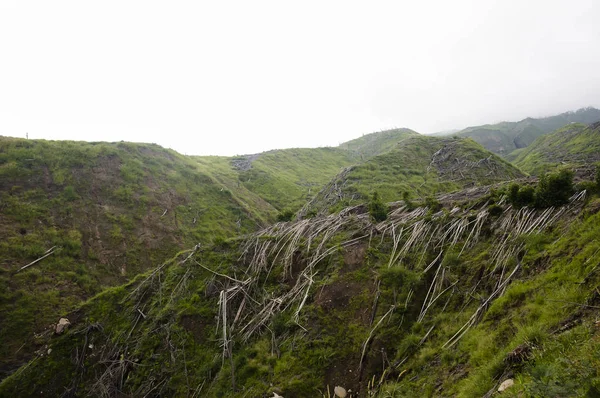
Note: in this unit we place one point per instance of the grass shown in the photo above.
(407, 168)
(505, 138)
(112, 210)
(160, 327)
(575, 144)
(288, 178)
(178, 340)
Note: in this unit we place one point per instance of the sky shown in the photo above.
(239, 77)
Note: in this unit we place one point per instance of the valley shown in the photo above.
(394, 265)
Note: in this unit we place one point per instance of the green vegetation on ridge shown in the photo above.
(288, 178)
(377, 318)
(106, 212)
(505, 137)
(374, 144)
(576, 144)
(428, 298)
(420, 165)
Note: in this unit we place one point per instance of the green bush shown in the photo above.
(69, 193)
(377, 209)
(526, 196)
(554, 189)
(406, 198)
(433, 204)
(520, 196)
(285, 215)
(495, 210)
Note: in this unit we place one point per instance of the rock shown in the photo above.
(62, 325)
(340, 392)
(275, 395)
(49, 351)
(506, 384)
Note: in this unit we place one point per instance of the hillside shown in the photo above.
(448, 303)
(503, 138)
(374, 144)
(419, 165)
(177, 282)
(577, 145)
(105, 212)
(288, 178)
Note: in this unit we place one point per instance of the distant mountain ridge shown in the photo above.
(504, 137)
(576, 144)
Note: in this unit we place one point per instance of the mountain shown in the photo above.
(374, 144)
(285, 178)
(576, 144)
(172, 277)
(503, 138)
(426, 303)
(419, 165)
(105, 212)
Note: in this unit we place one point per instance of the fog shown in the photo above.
(234, 77)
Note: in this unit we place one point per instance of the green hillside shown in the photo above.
(287, 178)
(177, 281)
(374, 144)
(105, 212)
(505, 137)
(419, 165)
(424, 304)
(576, 145)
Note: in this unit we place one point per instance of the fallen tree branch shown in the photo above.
(48, 252)
(364, 350)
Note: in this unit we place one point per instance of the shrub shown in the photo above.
(554, 189)
(69, 193)
(285, 215)
(495, 210)
(513, 193)
(406, 198)
(433, 204)
(526, 196)
(520, 196)
(377, 209)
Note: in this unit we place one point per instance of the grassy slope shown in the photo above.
(104, 206)
(548, 310)
(178, 343)
(408, 168)
(111, 210)
(374, 144)
(287, 178)
(575, 144)
(174, 348)
(505, 137)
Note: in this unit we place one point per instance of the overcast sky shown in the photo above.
(233, 77)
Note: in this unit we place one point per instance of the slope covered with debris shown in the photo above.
(432, 301)
(86, 216)
(418, 165)
(577, 145)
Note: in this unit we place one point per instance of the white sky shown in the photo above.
(233, 77)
